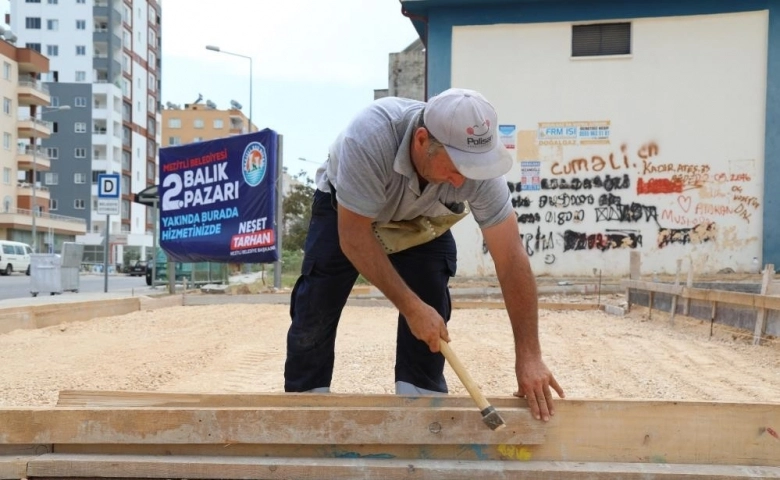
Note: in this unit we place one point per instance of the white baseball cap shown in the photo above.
(467, 125)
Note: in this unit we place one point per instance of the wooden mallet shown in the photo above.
(489, 414)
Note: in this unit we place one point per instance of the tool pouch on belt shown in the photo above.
(400, 235)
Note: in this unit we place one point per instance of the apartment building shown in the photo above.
(198, 121)
(24, 212)
(104, 82)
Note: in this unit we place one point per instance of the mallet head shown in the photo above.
(492, 419)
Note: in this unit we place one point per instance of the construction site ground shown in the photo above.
(240, 348)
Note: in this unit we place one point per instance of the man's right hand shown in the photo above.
(427, 325)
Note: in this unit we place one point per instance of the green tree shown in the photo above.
(297, 212)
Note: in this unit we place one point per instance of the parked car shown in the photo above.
(14, 257)
(138, 268)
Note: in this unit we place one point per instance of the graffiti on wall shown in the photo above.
(621, 196)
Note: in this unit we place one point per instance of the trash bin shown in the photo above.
(52, 273)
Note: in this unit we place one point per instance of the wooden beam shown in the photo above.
(13, 467)
(271, 425)
(602, 431)
(769, 273)
(499, 305)
(246, 468)
(133, 399)
(688, 284)
(721, 296)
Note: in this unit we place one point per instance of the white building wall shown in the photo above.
(685, 148)
(65, 37)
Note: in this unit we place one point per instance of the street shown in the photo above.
(18, 285)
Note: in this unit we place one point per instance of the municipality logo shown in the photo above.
(254, 163)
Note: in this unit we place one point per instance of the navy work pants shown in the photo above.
(326, 280)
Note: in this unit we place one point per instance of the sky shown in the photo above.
(315, 63)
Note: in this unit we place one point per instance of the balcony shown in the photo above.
(25, 192)
(29, 127)
(21, 219)
(25, 160)
(33, 92)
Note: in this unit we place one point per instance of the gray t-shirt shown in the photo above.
(371, 169)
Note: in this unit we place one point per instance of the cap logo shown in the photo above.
(479, 130)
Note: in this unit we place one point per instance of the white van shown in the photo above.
(14, 257)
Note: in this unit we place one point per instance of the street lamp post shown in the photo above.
(34, 174)
(215, 48)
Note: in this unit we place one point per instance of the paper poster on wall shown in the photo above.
(508, 136)
(573, 133)
(530, 176)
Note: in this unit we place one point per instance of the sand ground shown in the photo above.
(241, 348)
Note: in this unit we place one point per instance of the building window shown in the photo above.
(79, 204)
(81, 24)
(125, 210)
(53, 2)
(6, 70)
(52, 50)
(125, 160)
(218, 123)
(79, 178)
(53, 153)
(150, 169)
(80, 127)
(174, 123)
(52, 24)
(81, 76)
(80, 101)
(125, 184)
(6, 175)
(7, 105)
(600, 39)
(51, 178)
(81, 1)
(174, 141)
(33, 46)
(81, 50)
(198, 123)
(55, 101)
(95, 175)
(53, 204)
(32, 1)
(55, 127)
(32, 23)
(80, 152)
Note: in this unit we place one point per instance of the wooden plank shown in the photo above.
(240, 468)
(463, 304)
(272, 425)
(124, 399)
(758, 332)
(733, 298)
(688, 284)
(13, 467)
(673, 309)
(612, 431)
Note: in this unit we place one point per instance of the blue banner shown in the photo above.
(217, 200)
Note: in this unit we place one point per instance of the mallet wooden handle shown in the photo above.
(464, 376)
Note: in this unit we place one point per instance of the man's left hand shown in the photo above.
(535, 380)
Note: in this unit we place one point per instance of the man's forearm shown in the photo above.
(518, 286)
(367, 255)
